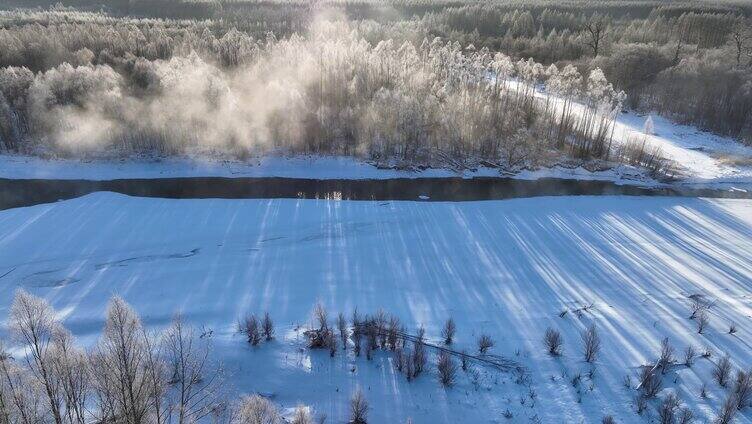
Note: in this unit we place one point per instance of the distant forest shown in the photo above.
(413, 80)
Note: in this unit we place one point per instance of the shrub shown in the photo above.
(448, 331)
(301, 416)
(727, 413)
(667, 355)
(591, 343)
(484, 343)
(250, 328)
(650, 383)
(743, 389)
(358, 408)
(267, 327)
(667, 409)
(447, 368)
(553, 341)
(257, 410)
(702, 321)
(722, 370)
(342, 327)
(689, 356)
(685, 416)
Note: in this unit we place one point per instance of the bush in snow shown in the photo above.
(447, 368)
(257, 410)
(728, 410)
(267, 327)
(320, 316)
(419, 355)
(484, 343)
(608, 419)
(358, 408)
(357, 332)
(650, 383)
(702, 321)
(591, 343)
(331, 343)
(743, 389)
(251, 328)
(301, 416)
(553, 341)
(685, 416)
(447, 333)
(342, 327)
(667, 355)
(689, 356)
(668, 408)
(722, 370)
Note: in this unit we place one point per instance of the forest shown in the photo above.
(513, 84)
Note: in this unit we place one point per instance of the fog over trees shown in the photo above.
(414, 81)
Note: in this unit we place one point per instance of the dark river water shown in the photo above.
(17, 193)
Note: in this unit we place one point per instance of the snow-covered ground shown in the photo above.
(507, 268)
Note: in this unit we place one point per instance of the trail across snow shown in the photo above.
(506, 268)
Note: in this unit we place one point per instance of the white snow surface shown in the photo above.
(505, 268)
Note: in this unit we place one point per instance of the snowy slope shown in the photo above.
(507, 268)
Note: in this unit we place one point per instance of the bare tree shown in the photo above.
(358, 408)
(342, 327)
(668, 408)
(591, 343)
(302, 416)
(743, 389)
(728, 410)
(448, 331)
(252, 329)
(267, 327)
(685, 416)
(126, 377)
(447, 368)
(22, 401)
(702, 321)
(197, 384)
(596, 30)
(722, 371)
(484, 343)
(320, 316)
(70, 365)
(32, 323)
(257, 410)
(740, 38)
(667, 355)
(650, 383)
(689, 356)
(552, 340)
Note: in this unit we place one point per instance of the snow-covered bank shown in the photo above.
(706, 160)
(508, 268)
(314, 167)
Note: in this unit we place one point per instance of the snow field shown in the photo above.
(505, 268)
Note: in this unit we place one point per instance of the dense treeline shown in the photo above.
(138, 86)
(402, 79)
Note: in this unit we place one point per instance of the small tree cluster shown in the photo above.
(256, 329)
(128, 376)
